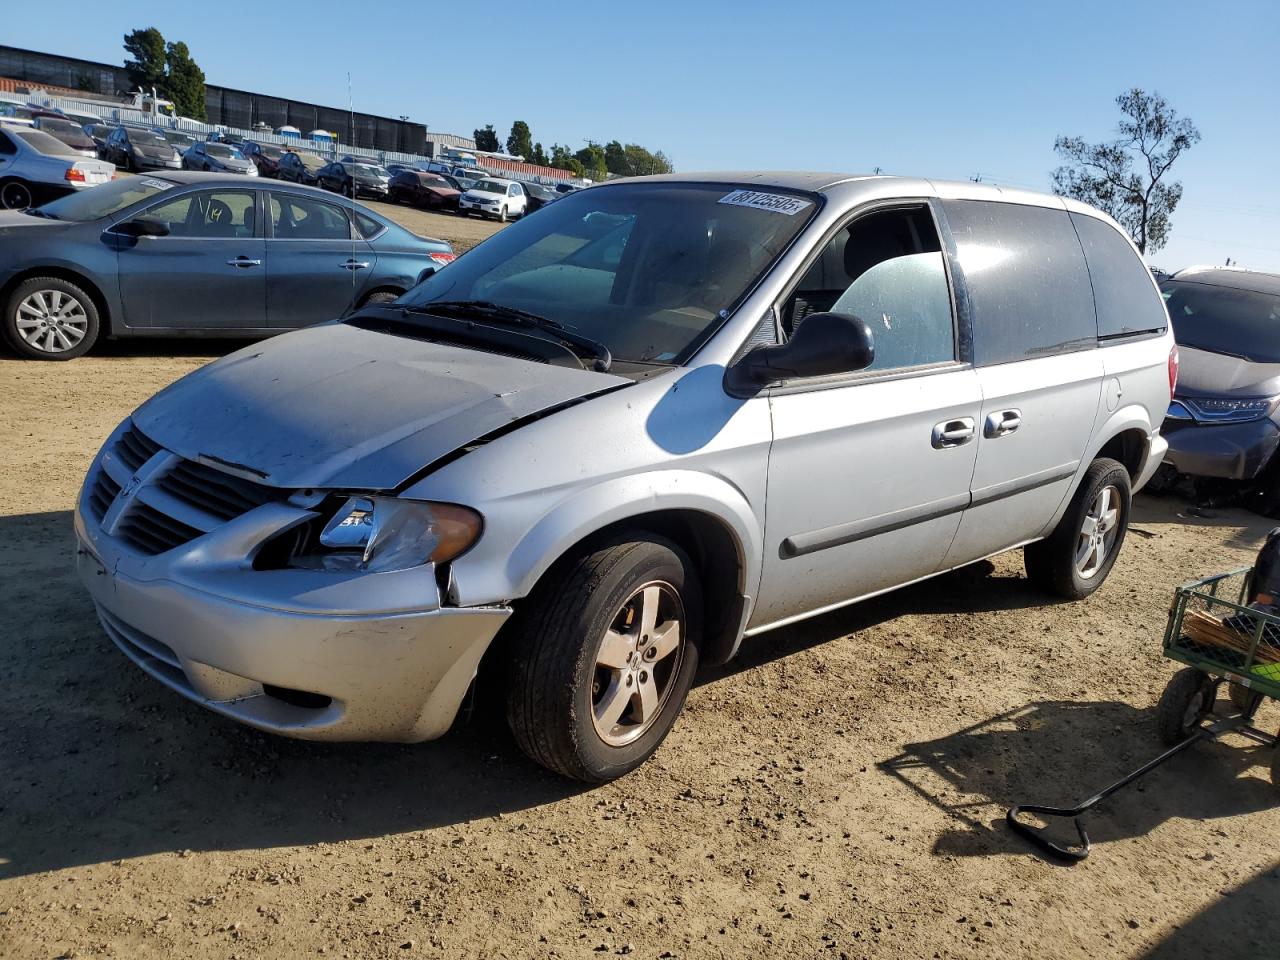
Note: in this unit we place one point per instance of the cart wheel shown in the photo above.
(1186, 701)
(1242, 698)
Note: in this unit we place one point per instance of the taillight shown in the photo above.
(1173, 368)
(443, 258)
(73, 175)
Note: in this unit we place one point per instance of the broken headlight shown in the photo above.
(378, 534)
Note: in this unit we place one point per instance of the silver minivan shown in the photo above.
(619, 438)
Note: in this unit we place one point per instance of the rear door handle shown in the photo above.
(1001, 423)
(244, 262)
(355, 265)
(952, 433)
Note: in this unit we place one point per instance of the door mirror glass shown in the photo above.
(143, 228)
(824, 345)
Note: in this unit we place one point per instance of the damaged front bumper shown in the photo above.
(306, 654)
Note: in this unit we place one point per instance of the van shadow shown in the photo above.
(971, 589)
(100, 763)
(1060, 752)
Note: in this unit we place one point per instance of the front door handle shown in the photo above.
(952, 433)
(1001, 423)
(244, 262)
(355, 265)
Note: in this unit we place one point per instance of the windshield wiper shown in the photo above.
(520, 318)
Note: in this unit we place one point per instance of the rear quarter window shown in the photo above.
(1123, 291)
(1026, 279)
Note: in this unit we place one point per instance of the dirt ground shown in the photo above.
(838, 791)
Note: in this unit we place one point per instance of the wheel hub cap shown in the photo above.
(51, 321)
(1098, 532)
(636, 664)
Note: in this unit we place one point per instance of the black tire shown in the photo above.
(558, 637)
(84, 319)
(380, 296)
(1052, 563)
(16, 194)
(502, 214)
(1187, 699)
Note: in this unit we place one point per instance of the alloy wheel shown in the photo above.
(1098, 532)
(51, 321)
(637, 663)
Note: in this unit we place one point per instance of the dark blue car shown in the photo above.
(196, 254)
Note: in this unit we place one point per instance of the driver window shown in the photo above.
(885, 268)
(221, 214)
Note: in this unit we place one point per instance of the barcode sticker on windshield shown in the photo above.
(777, 202)
(152, 182)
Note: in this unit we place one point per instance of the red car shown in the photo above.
(429, 191)
(265, 156)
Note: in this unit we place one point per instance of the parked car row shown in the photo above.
(36, 167)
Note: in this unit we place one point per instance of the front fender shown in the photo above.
(586, 511)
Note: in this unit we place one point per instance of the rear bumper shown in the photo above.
(1235, 451)
(1156, 453)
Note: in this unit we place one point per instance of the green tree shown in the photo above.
(562, 159)
(539, 156)
(146, 68)
(592, 159)
(520, 143)
(184, 84)
(641, 163)
(1125, 177)
(487, 139)
(615, 159)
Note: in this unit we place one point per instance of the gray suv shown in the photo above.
(617, 439)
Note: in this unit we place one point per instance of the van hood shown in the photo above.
(1202, 373)
(335, 406)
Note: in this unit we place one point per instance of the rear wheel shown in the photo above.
(380, 296)
(15, 195)
(603, 654)
(47, 318)
(1075, 559)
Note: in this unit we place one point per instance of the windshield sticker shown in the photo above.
(777, 202)
(158, 184)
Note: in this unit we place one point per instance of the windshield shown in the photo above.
(60, 126)
(270, 151)
(365, 170)
(105, 200)
(650, 270)
(310, 160)
(490, 186)
(146, 138)
(435, 182)
(223, 151)
(1242, 323)
(178, 139)
(50, 146)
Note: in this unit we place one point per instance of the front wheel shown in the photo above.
(1187, 700)
(47, 318)
(1075, 559)
(502, 215)
(603, 655)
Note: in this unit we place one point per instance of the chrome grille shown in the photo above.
(103, 491)
(134, 448)
(157, 501)
(149, 531)
(220, 494)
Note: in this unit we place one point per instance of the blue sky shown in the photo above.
(942, 89)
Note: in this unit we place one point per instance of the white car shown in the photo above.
(491, 197)
(35, 168)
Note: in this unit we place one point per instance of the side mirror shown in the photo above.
(822, 345)
(143, 228)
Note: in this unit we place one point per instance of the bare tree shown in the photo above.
(1125, 177)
